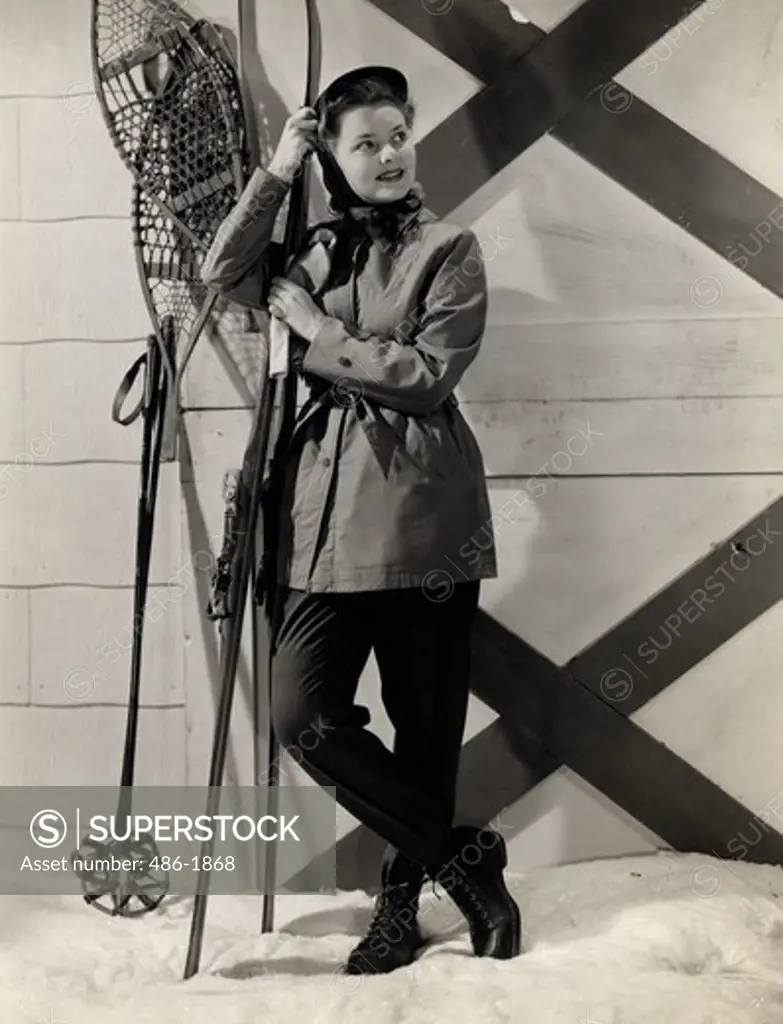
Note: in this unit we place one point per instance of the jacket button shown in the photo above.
(344, 361)
(326, 461)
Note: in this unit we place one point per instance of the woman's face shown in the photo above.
(375, 152)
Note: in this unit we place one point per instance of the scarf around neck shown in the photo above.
(385, 221)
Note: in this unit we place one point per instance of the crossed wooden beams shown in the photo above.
(578, 715)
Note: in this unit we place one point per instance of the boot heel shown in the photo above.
(480, 891)
(506, 943)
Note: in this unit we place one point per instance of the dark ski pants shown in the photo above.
(422, 647)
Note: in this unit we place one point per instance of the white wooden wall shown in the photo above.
(71, 322)
(721, 78)
(606, 314)
(602, 320)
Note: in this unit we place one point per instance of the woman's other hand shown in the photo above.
(295, 307)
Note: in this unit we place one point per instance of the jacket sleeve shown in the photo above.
(240, 261)
(417, 366)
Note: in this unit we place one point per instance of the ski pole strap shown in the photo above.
(124, 390)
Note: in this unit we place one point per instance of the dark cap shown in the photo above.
(395, 79)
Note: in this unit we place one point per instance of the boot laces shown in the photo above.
(466, 885)
(392, 899)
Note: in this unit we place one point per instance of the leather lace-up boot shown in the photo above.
(472, 874)
(393, 937)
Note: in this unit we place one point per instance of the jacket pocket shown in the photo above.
(396, 436)
(433, 443)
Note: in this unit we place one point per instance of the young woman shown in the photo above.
(385, 528)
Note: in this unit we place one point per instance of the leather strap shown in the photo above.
(124, 390)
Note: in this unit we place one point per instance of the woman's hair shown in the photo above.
(364, 92)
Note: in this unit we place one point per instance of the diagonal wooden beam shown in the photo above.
(481, 37)
(691, 184)
(716, 598)
(583, 731)
(615, 131)
(527, 99)
(723, 592)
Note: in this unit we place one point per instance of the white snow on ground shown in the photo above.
(659, 939)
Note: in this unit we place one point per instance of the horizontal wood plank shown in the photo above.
(81, 642)
(69, 388)
(635, 359)
(671, 359)
(38, 748)
(627, 436)
(10, 186)
(577, 556)
(15, 644)
(77, 524)
(75, 279)
(58, 48)
(12, 423)
(216, 441)
(87, 178)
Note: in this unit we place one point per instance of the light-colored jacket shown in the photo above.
(384, 483)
